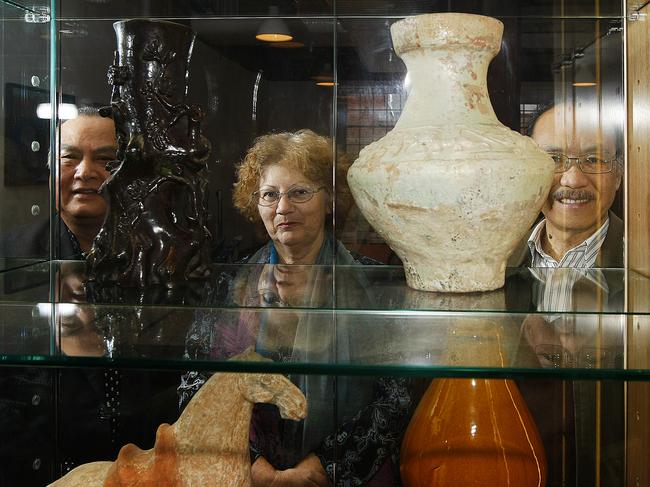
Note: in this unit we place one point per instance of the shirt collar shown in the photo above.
(589, 248)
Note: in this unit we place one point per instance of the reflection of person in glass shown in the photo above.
(76, 331)
(579, 233)
(286, 182)
(87, 144)
(292, 286)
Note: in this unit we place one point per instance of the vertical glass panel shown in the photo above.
(574, 64)
(246, 87)
(25, 125)
(338, 76)
(372, 90)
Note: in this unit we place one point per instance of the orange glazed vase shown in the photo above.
(474, 432)
(468, 432)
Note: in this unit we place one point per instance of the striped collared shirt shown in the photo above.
(557, 279)
(581, 256)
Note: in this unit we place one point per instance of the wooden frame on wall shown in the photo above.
(637, 244)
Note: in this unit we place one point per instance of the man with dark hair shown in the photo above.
(87, 144)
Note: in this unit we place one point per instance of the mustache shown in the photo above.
(573, 194)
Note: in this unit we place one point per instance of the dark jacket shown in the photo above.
(32, 241)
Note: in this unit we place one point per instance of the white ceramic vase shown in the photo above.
(450, 188)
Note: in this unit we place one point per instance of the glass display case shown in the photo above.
(85, 370)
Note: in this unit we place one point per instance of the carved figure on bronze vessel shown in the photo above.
(208, 445)
(155, 232)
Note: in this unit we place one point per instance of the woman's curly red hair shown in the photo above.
(304, 151)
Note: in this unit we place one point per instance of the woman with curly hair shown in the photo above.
(286, 182)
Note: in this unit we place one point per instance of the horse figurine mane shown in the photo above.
(207, 445)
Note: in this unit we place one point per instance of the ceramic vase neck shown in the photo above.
(451, 84)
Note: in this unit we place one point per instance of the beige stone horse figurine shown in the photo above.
(207, 446)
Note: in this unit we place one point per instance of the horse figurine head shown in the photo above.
(274, 389)
(270, 388)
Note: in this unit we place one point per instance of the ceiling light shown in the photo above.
(66, 111)
(584, 84)
(325, 76)
(273, 29)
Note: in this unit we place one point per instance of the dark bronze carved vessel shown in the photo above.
(155, 232)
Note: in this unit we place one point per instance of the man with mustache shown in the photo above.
(87, 144)
(578, 229)
(578, 234)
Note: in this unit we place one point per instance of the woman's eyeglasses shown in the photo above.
(297, 194)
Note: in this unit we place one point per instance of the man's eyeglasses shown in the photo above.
(297, 194)
(588, 163)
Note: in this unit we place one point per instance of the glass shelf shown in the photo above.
(345, 320)
(365, 289)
